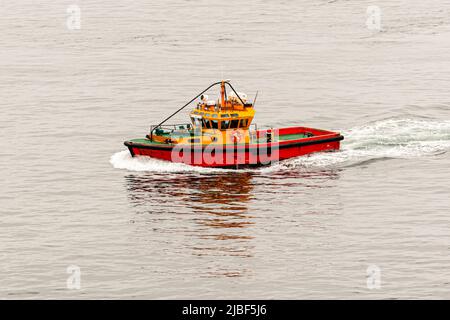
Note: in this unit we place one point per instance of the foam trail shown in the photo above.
(384, 139)
(124, 160)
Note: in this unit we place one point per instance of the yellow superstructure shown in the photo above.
(225, 120)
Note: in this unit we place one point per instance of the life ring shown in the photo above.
(237, 136)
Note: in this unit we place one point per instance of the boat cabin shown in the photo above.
(229, 112)
(225, 120)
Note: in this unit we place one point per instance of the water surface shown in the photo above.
(305, 228)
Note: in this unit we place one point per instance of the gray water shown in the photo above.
(312, 227)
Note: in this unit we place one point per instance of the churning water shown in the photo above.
(369, 221)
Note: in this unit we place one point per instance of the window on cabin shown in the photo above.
(196, 121)
(224, 124)
(243, 123)
(215, 124)
(234, 115)
(225, 115)
(234, 124)
(206, 123)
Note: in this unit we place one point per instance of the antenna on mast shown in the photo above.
(254, 100)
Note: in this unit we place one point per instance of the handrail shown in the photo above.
(171, 126)
(253, 133)
(243, 103)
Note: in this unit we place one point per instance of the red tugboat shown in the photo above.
(220, 135)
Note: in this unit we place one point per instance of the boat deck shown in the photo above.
(284, 137)
(262, 139)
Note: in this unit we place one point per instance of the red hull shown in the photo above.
(243, 155)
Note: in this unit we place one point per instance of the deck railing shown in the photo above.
(178, 126)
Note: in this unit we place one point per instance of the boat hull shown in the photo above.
(242, 155)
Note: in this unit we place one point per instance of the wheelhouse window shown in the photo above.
(224, 124)
(224, 115)
(196, 121)
(206, 123)
(234, 124)
(215, 124)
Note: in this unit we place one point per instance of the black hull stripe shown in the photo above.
(131, 145)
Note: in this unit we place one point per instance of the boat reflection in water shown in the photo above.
(215, 216)
(210, 212)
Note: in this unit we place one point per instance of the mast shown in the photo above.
(222, 94)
